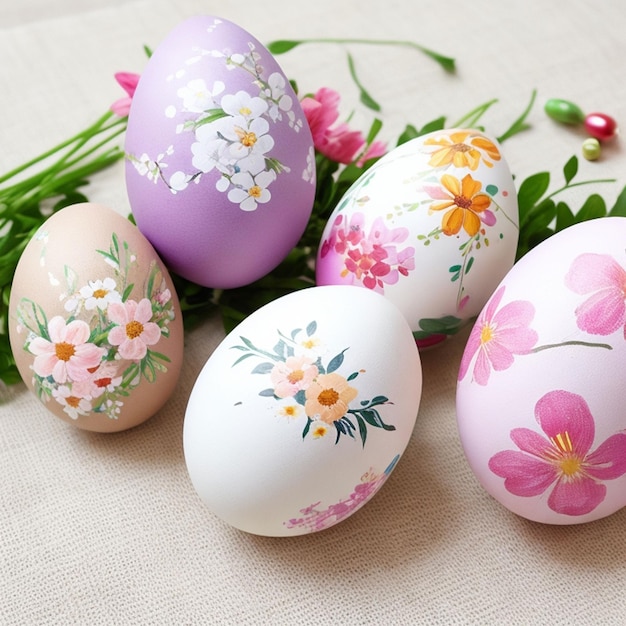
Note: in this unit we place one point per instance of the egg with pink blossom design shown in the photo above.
(220, 165)
(540, 394)
(432, 225)
(94, 320)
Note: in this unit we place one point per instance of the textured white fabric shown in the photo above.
(106, 529)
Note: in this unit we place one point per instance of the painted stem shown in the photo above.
(587, 344)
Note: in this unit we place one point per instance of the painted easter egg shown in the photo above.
(541, 396)
(94, 320)
(220, 167)
(433, 226)
(300, 415)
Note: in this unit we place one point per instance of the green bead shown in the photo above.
(564, 111)
(591, 149)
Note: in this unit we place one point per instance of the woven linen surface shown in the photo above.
(106, 529)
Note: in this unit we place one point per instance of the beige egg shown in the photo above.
(94, 320)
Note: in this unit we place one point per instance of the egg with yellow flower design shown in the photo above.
(299, 415)
(432, 225)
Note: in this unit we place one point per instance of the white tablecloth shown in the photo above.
(106, 529)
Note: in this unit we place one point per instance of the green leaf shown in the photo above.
(335, 362)
(619, 208)
(364, 96)
(263, 368)
(430, 127)
(280, 46)
(379, 400)
(593, 207)
(564, 217)
(362, 428)
(409, 132)
(212, 116)
(377, 124)
(570, 169)
(520, 123)
(307, 426)
(531, 190)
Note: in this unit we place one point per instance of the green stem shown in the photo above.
(587, 344)
(470, 119)
(91, 130)
(499, 208)
(447, 63)
(582, 182)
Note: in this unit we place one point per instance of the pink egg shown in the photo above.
(220, 167)
(541, 394)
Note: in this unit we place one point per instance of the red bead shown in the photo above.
(600, 126)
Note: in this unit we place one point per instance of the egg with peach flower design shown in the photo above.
(432, 225)
(299, 416)
(540, 398)
(94, 320)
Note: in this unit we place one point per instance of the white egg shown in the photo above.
(433, 226)
(302, 412)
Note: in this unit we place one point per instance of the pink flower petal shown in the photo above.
(121, 107)
(520, 340)
(602, 313)
(116, 312)
(56, 329)
(590, 272)
(44, 363)
(482, 368)
(143, 312)
(42, 346)
(608, 461)
(499, 356)
(151, 333)
(472, 345)
(523, 475)
(133, 349)
(127, 81)
(59, 371)
(562, 411)
(436, 193)
(77, 332)
(117, 335)
(576, 497)
(516, 313)
(531, 442)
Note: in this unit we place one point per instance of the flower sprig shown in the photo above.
(57, 177)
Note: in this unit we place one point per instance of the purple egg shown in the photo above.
(220, 165)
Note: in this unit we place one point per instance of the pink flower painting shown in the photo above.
(134, 331)
(497, 336)
(68, 354)
(372, 258)
(561, 460)
(295, 374)
(603, 279)
(314, 518)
